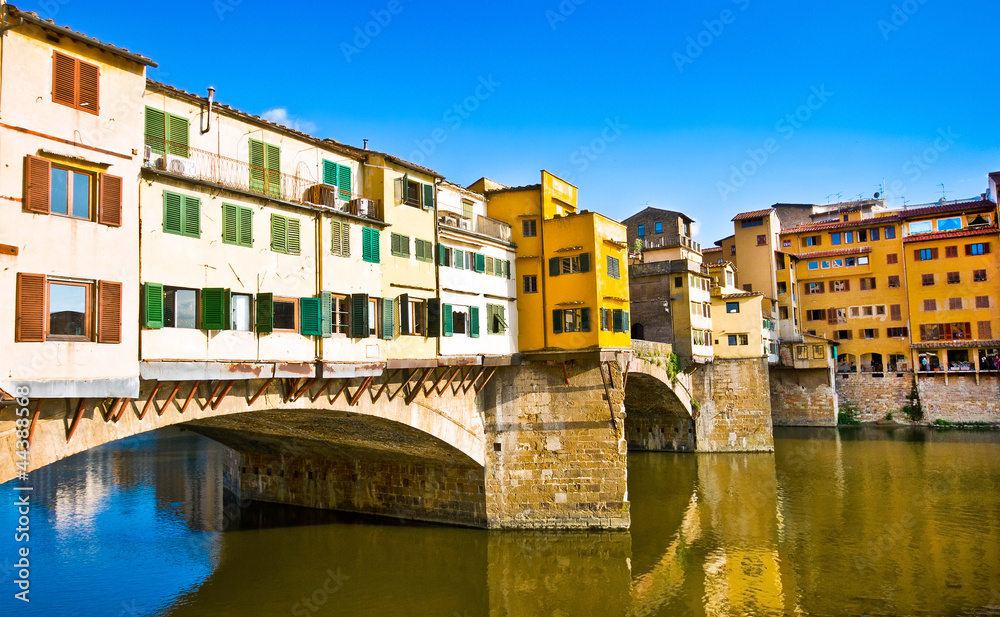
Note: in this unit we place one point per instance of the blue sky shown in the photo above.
(710, 108)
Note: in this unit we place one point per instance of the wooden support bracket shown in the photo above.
(187, 402)
(402, 385)
(455, 388)
(343, 389)
(170, 399)
(260, 392)
(110, 413)
(222, 396)
(385, 385)
(305, 388)
(473, 381)
(322, 391)
(565, 374)
(208, 401)
(480, 387)
(149, 401)
(121, 410)
(80, 408)
(427, 392)
(353, 400)
(34, 419)
(450, 379)
(418, 387)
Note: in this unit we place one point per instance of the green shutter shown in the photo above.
(156, 130)
(272, 163)
(557, 321)
(626, 322)
(388, 326)
(265, 313)
(330, 172)
(279, 233)
(230, 224)
(246, 227)
(480, 262)
(501, 313)
(370, 245)
(616, 320)
(441, 254)
(404, 313)
(344, 181)
(345, 239)
(173, 218)
(428, 197)
(310, 317)
(177, 136)
(406, 187)
(153, 300)
(585, 320)
(553, 266)
(213, 309)
(359, 316)
(459, 261)
(294, 241)
(335, 244)
(448, 320)
(404, 245)
(585, 262)
(256, 166)
(474, 321)
(326, 314)
(434, 317)
(192, 217)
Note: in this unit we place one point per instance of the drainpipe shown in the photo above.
(319, 282)
(208, 115)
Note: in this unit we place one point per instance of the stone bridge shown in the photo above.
(540, 441)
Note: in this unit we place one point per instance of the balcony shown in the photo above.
(204, 166)
(666, 242)
(480, 224)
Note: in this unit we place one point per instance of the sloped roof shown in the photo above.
(651, 210)
(756, 214)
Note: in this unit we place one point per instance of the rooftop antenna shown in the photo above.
(904, 202)
(943, 196)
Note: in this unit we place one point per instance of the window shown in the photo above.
(370, 245)
(895, 312)
(658, 227)
(949, 224)
(496, 322)
(780, 261)
(468, 209)
(70, 192)
(782, 312)
(849, 237)
(574, 320)
(569, 265)
(75, 83)
(618, 318)
(867, 311)
(732, 307)
(950, 251)
(529, 228)
(890, 233)
(842, 335)
(862, 235)
(896, 332)
(920, 227)
(613, 267)
(69, 306)
(265, 168)
(855, 311)
(867, 283)
(732, 340)
(167, 133)
(801, 352)
(286, 315)
(237, 225)
(374, 316)
(873, 233)
(180, 308)
(678, 281)
(816, 315)
(978, 276)
(752, 223)
(850, 262)
(416, 317)
(530, 283)
(782, 287)
(925, 254)
(642, 231)
(285, 236)
(834, 239)
(813, 240)
(836, 315)
(982, 302)
(744, 339)
(240, 312)
(927, 279)
(732, 249)
(340, 314)
(400, 245)
(893, 282)
(825, 264)
(814, 265)
(489, 265)
(869, 333)
(954, 278)
(335, 174)
(747, 287)
(815, 288)
(424, 251)
(985, 330)
(880, 310)
(930, 305)
(458, 261)
(340, 232)
(981, 248)
(892, 258)
(459, 319)
(838, 286)
(761, 240)
(954, 304)
(181, 215)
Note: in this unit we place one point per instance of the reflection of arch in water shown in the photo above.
(656, 418)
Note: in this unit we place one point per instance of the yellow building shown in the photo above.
(743, 321)
(572, 267)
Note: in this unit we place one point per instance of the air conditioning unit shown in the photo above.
(147, 153)
(181, 165)
(465, 224)
(325, 195)
(363, 207)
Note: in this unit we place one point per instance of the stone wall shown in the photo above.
(656, 420)
(802, 397)
(961, 399)
(556, 452)
(734, 400)
(875, 397)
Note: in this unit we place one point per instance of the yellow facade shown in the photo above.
(572, 267)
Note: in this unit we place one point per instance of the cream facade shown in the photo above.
(71, 109)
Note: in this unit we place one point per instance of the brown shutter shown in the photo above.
(986, 248)
(934, 253)
(110, 201)
(64, 79)
(109, 312)
(895, 312)
(89, 87)
(37, 172)
(29, 323)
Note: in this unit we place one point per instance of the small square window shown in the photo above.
(240, 309)
(286, 314)
(529, 228)
(658, 227)
(530, 283)
(69, 310)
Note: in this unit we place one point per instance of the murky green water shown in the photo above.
(860, 522)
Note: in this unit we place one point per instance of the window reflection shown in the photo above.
(67, 309)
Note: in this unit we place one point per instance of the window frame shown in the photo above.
(295, 314)
(534, 283)
(171, 289)
(529, 225)
(91, 191)
(340, 308)
(232, 308)
(88, 319)
(76, 85)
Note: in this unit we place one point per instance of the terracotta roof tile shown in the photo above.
(941, 235)
(756, 214)
(857, 250)
(893, 216)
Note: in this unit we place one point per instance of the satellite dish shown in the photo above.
(877, 194)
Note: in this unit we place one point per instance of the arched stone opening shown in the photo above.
(656, 420)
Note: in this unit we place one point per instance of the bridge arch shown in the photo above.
(658, 405)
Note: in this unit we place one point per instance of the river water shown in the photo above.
(858, 521)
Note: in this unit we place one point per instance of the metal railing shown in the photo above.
(669, 242)
(205, 166)
(479, 224)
